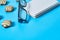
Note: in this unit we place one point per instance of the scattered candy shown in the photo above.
(2, 2)
(9, 8)
(6, 23)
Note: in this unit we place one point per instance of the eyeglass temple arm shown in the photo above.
(19, 9)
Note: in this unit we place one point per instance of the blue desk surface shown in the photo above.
(46, 27)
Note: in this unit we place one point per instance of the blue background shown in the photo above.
(46, 27)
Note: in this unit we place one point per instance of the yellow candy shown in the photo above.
(9, 8)
(2, 2)
(6, 23)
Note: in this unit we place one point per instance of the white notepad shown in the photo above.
(38, 7)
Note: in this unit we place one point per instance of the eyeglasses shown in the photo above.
(22, 13)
